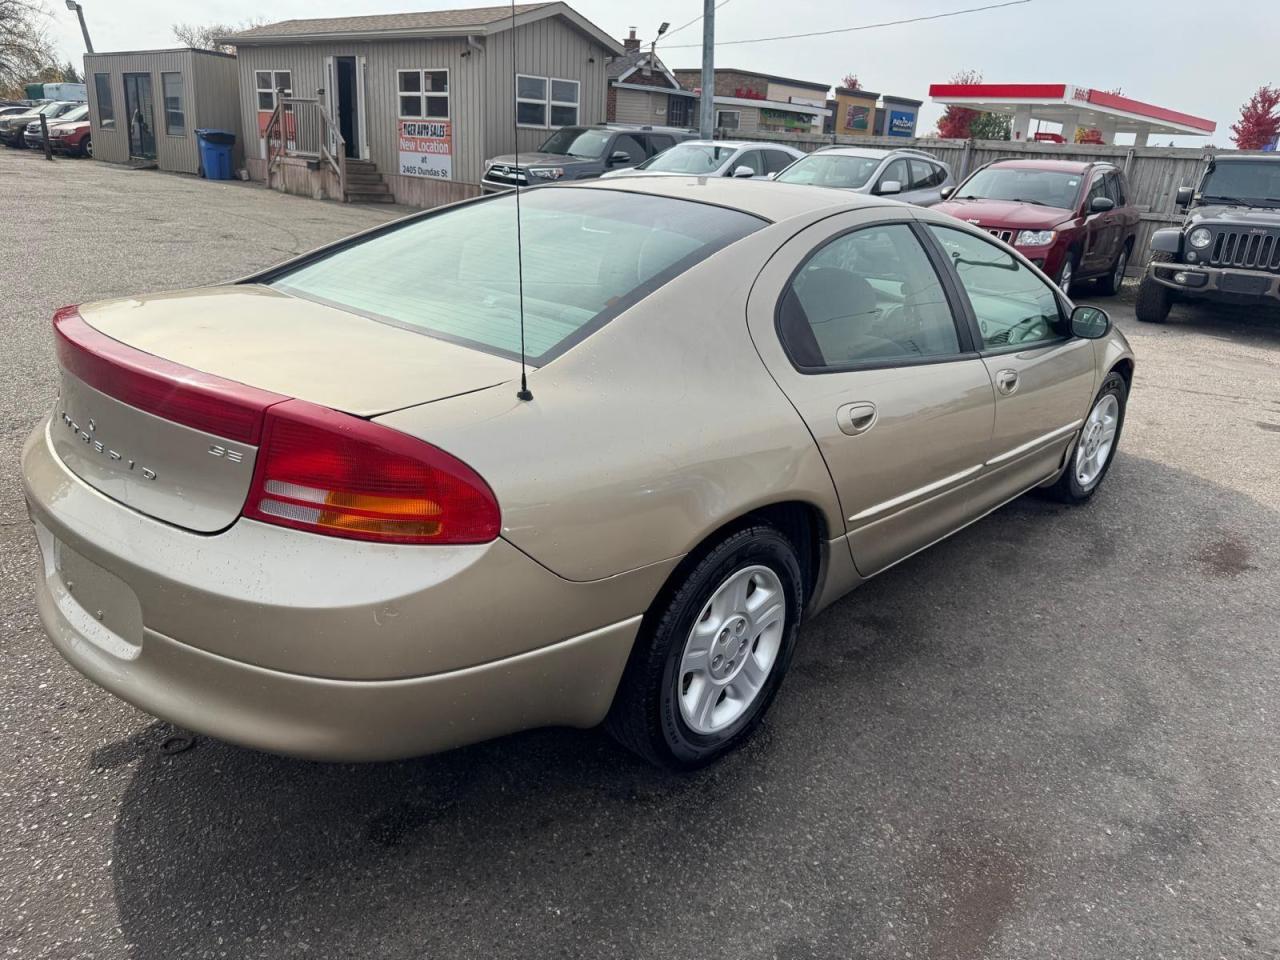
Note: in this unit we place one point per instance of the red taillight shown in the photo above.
(158, 386)
(331, 473)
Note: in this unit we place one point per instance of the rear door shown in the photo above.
(1043, 378)
(858, 327)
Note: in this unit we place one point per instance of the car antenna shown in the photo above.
(524, 393)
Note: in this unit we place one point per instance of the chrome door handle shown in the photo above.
(1006, 381)
(856, 418)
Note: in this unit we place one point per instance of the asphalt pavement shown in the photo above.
(1053, 735)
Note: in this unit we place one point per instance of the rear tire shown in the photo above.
(1109, 285)
(683, 701)
(1154, 298)
(1091, 455)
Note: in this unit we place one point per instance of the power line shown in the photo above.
(690, 24)
(866, 26)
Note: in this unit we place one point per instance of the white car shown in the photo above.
(715, 158)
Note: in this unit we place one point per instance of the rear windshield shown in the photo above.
(1048, 188)
(589, 254)
(831, 170)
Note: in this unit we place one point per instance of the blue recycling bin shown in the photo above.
(215, 153)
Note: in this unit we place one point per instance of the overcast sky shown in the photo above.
(1203, 58)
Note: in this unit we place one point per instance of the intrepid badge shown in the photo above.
(88, 435)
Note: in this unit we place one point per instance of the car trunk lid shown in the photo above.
(163, 398)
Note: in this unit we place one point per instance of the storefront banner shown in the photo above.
(426, 148)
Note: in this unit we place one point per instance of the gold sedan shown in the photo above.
(312, 512)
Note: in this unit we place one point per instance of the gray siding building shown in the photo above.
(146, 105)
(422, 98)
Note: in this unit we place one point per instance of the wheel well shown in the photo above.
(1125, 369)
(800, 522)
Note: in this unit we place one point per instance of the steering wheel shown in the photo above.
(1028, 328)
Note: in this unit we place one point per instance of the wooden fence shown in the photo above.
(1154, 173)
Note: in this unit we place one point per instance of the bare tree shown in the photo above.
(204, 36)
(24, 44)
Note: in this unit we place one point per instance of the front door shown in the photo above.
(140, 109)
(348, 104)
(1043, 377)
(861, 332)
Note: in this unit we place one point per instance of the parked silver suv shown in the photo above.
(579, 153)
(910, 175)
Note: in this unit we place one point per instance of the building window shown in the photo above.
(728, 119)
(175, 121)
(268, 82)
(423, 93)
(102, 89)
(531, 101)
(546, 101)
(564, 103)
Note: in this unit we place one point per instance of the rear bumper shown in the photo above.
(319, 647)
(1217, 282)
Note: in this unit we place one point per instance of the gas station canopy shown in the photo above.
(1073, 107)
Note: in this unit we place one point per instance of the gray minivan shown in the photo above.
(579, 153)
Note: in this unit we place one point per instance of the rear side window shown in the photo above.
(659, 142)
(588, 255)
(870, 297)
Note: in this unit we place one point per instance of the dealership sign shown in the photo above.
(901, 123)
(426, 148)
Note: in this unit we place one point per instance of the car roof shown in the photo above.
(852, 152)
(762, 198)
(736, 144)
(1061, 166)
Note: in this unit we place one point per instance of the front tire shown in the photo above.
(1154, 298)
(1110, 285)
(1095, 447)
(1067, 272)
(711, 653)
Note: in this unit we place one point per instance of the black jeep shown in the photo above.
(1228, 247)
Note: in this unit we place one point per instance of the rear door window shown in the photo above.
(776, 161)
(869, 297)
(588, 255)
(659, 142)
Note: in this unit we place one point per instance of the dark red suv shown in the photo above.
(1070, 218)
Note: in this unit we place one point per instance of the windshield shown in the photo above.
(52, 109)
(1242, 180)
(576, 142)
(831, 170)
(694, 158)
(588, 255)
(1048, 188)
(74, 114)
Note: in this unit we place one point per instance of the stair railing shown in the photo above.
(301, 127)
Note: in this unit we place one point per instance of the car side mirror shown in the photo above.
(1101, 205)
(619, 156)
(743, 171)
(947, 192)
(1090, 323)
(889, 187)
(1185, 195)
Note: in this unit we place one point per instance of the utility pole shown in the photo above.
(707, 118)
(79, 12)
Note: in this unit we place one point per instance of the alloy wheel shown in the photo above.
(731, 650)
(1097, 437)
(1064, 278)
